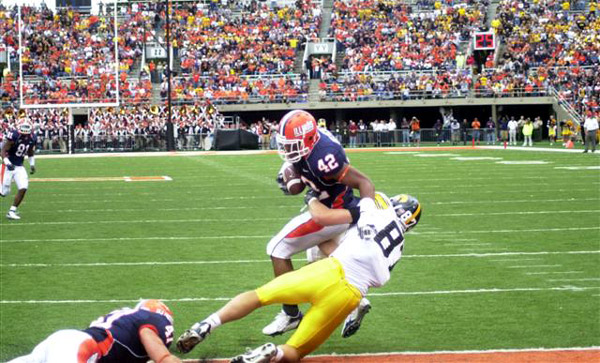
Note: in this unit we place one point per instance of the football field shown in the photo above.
(506, 255)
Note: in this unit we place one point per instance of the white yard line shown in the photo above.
(584, 279)
(516, 259)
(112, 210)
(554, 273)
(516, 213)
(460, 352)
(382, 294)
(228, 219)
(122, 239)
(228, 262)
(515, 201)
(152, 221)
(172, 238)
(485, 291)
(534, 266)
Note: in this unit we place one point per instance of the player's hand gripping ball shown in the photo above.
(291, 179)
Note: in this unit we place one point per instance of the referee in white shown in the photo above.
(591, 128)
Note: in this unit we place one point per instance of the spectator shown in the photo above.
(415, 127)
(438, 131)
(476, 126)
(490, 128)
(353, 132)
(465, 130)
(512, 131)
(405, 128)
(391, 127)
(591, 132)
(455, 131)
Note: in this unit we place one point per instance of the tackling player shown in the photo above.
(322, 163)
(126, 335)
(333, 286)
(20, 142)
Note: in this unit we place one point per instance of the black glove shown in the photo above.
(32, 170)
(10, 167)
(310, 195)
(281, 184)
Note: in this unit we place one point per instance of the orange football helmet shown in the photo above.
(156, 306)
(297, 136)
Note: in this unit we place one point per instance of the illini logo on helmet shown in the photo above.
(303, 129)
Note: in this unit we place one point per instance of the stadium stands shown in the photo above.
(244, 52)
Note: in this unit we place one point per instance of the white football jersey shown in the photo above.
(367, 262)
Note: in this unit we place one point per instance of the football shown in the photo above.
(292, 180)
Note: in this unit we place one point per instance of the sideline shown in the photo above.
(274, 152)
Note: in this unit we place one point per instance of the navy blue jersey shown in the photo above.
(124, 326)
(327, 159)
(20, 148)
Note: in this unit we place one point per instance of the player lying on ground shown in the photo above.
(124, 336)
(321, 162)
(334, 286)
(21, 142)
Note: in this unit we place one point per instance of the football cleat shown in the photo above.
(282, 323)
(12, 215)
(191, 337)
(353, 321)
(262, 354)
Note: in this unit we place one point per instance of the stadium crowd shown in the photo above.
(395, 38)
(549, 45)
(245, 51)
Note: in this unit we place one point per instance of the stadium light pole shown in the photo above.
(170, 135)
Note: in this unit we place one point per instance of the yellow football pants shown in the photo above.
(322, 284)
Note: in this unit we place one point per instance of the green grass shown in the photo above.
(491, 264)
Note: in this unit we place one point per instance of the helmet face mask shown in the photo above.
(24, 128)
(297, 135)
(408, 210)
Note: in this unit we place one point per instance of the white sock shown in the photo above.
(214, 321)
(13, 209)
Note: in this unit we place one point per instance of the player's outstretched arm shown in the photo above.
(155, 348)
(325, 216)
(353, 178)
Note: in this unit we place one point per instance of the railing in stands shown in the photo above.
(576, 116)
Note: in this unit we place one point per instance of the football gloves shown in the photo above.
(32, 170)
(281, 184)
(310, 195)
(8, 164)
